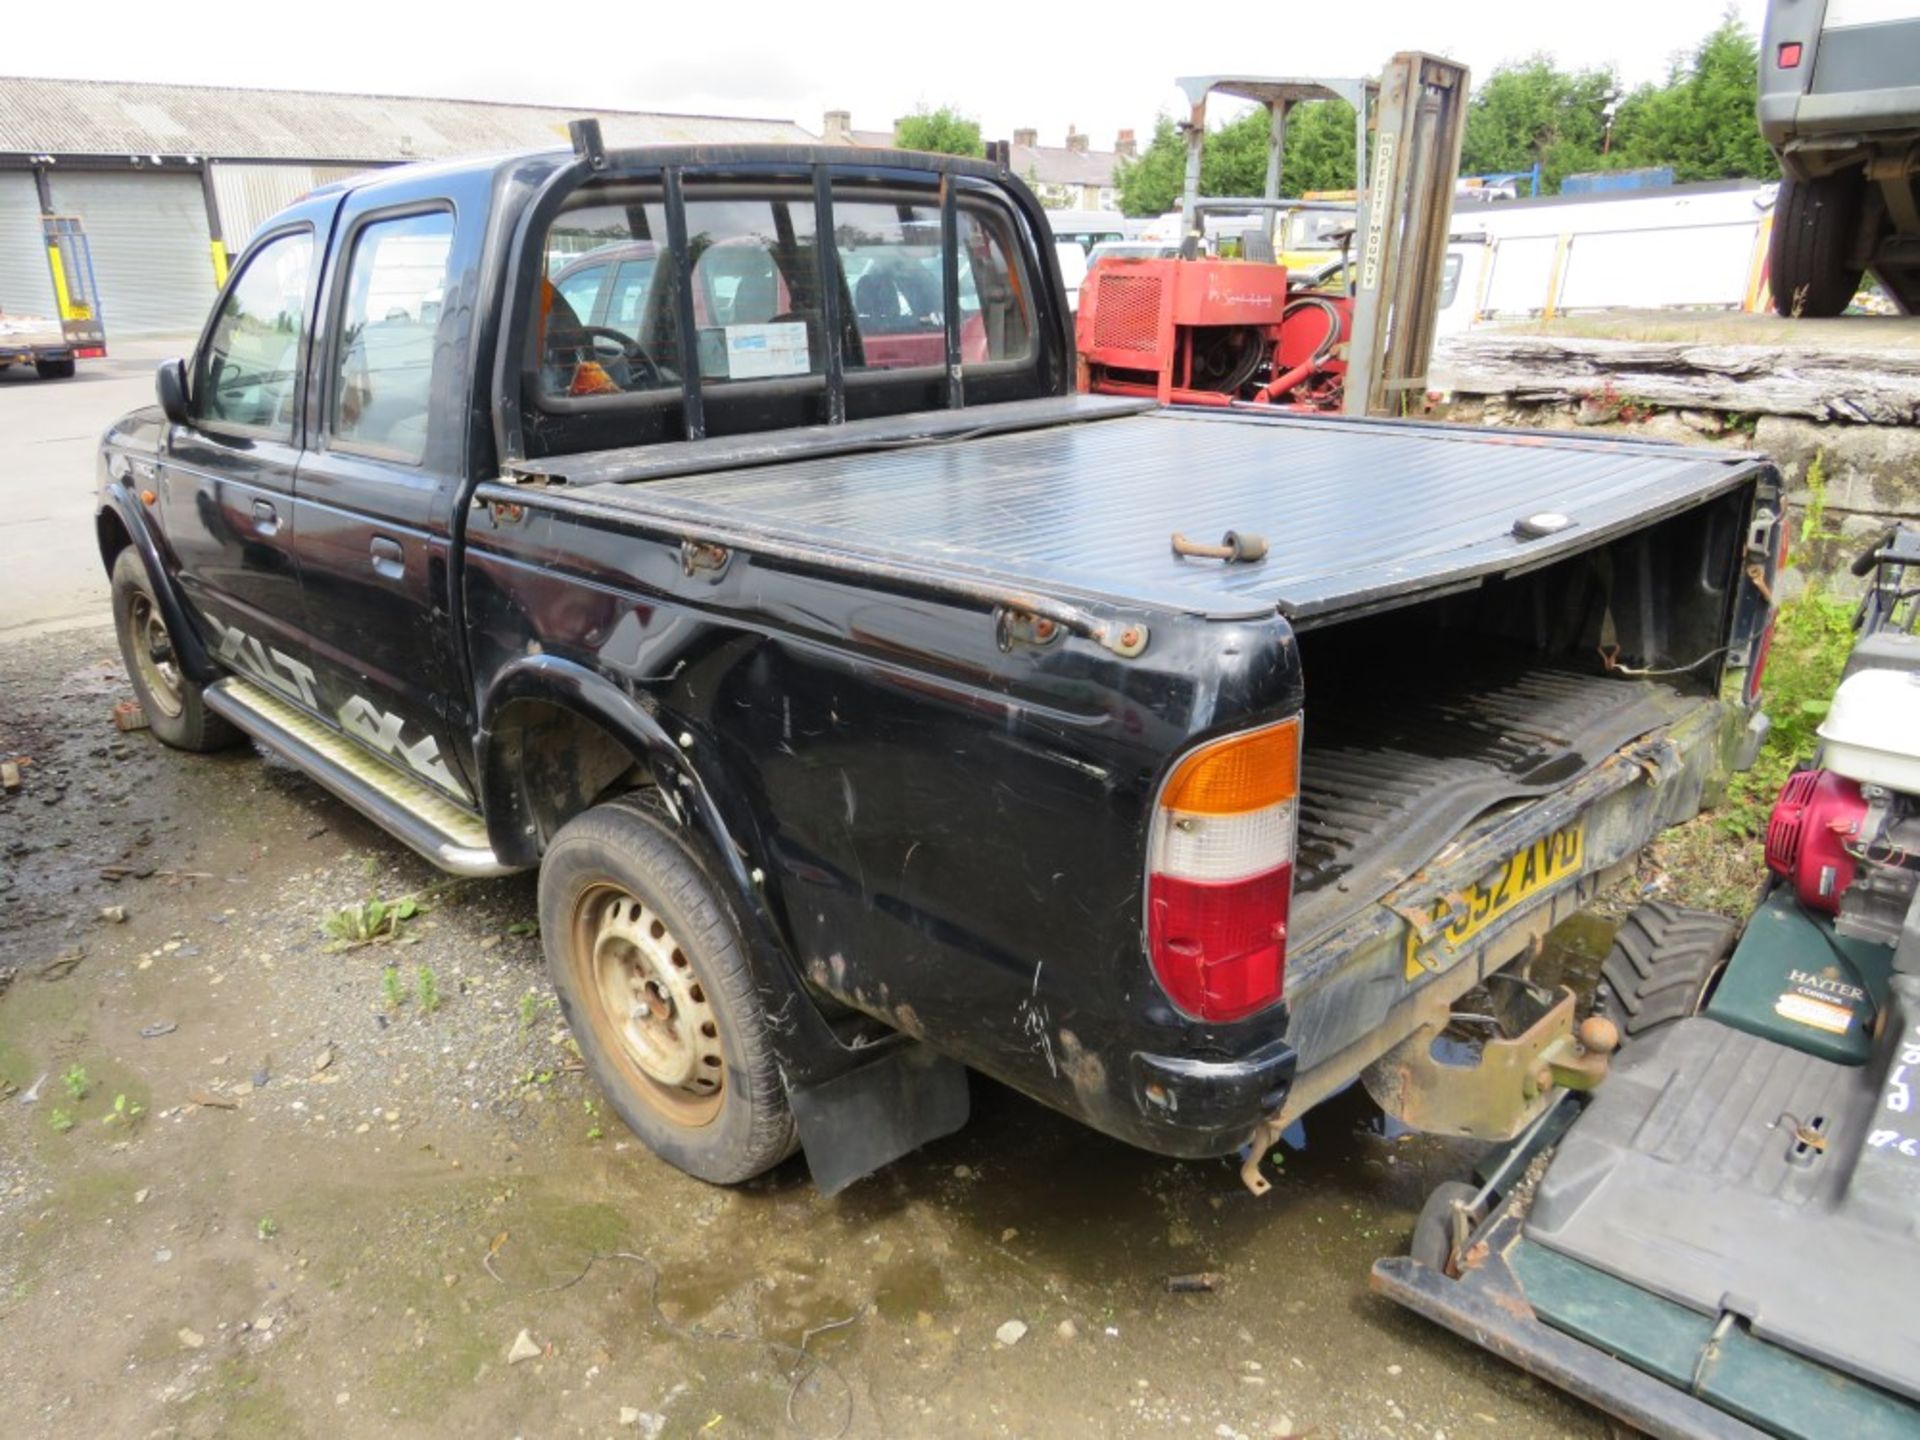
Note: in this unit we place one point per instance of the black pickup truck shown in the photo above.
(718, 530)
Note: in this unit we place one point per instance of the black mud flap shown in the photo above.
(870, 1116)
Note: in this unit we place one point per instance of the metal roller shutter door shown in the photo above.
(150, 246)
(26, 285)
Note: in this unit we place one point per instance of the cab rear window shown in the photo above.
(761, 299)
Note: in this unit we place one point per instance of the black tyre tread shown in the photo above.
(54, 369)
(1813, 231)
(1662, 959)
(1432, 1241)
(634, 829)
(195, 728)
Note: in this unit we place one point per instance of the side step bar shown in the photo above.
(451, 837)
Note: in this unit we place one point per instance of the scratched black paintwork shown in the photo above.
(952, 835)
(949, 835)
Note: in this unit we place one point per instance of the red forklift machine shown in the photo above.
(1203, 331)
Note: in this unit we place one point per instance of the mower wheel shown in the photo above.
(1432, 1243)
(1663, 966)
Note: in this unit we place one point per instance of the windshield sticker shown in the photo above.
(755, 352)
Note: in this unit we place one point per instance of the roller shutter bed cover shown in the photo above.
(1357, 514)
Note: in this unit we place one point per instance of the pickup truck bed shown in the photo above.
(1089, 508)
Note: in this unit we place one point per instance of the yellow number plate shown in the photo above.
(1542, 864)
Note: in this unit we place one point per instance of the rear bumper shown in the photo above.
(1358, 991)
(1197, 1107)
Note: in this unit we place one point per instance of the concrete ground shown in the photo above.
(254, 1183)
(50, 571)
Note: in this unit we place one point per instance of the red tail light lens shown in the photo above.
(1220, 874)
(1790, 55)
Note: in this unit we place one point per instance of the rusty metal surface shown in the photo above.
(1495, 1093)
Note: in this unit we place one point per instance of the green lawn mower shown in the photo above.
(1723, 1239)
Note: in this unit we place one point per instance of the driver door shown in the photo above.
(225, 478)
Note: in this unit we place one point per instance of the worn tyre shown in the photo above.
(1814, 227)
(653, 977)
(176, 710)
(53, 369)
(1663, 966)
(1432, 1243)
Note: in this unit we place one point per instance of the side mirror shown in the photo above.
(170, 384)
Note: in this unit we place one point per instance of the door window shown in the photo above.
(383, 353)
(245, 374)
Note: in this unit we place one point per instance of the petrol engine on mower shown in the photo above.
(1847, 836)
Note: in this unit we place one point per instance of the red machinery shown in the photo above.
(1210, 332)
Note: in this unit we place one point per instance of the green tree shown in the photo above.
(1529, 113)
(944, 131)
(1701, 122)
(1233, 161)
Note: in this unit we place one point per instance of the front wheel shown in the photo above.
(176, 710)
(653, 977)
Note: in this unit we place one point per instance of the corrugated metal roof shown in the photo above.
(110, 117)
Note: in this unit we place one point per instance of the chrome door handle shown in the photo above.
(265, 518)
(387, 557)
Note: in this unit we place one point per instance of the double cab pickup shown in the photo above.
(719, 531)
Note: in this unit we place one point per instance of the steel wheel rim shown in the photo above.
(647, 1006)
(153, 655)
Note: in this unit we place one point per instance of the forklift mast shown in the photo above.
(1408, 127)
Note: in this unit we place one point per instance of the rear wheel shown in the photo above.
(1814, 228)
(1663, 966)
(653, 978)
(54, 369)
(175, 708)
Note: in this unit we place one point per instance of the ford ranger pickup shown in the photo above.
(717, 529)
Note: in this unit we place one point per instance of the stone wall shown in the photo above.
(1868, 475)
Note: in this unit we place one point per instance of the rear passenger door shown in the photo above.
(375, 490)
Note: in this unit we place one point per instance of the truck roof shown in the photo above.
(545, 161)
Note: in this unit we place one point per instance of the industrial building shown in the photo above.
(170, 180)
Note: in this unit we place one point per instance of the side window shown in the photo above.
(383, 353)
(245, 374)
(627, 305)
(1450, 279)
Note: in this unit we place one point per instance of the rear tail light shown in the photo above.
(1220, 873)
(1790, 55)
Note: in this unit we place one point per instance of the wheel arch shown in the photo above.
(118, 526)
(543, 704)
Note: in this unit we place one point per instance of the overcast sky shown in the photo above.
(1100, 66)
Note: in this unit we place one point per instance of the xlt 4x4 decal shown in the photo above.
(376, 728)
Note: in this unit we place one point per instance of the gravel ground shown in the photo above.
(264, 1189)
